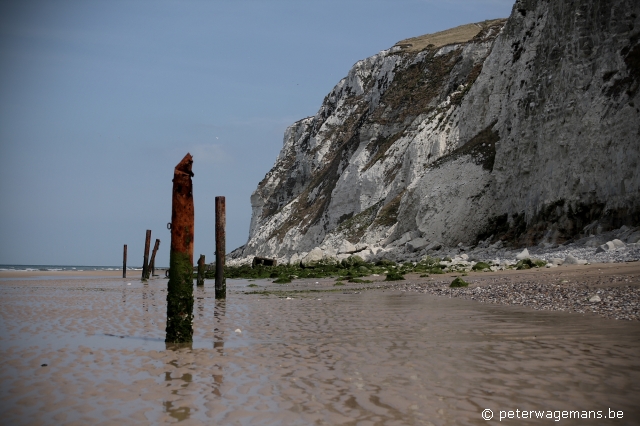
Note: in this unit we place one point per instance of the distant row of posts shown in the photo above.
(180, 286)
(148, 266)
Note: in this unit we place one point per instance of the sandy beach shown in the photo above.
(91, 351)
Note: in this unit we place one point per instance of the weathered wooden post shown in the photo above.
(124, 262)
(201, 266)
(221, 282)
(145, 263)
(152, 262)
(180, 287)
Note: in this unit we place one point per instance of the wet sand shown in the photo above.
(347, 356)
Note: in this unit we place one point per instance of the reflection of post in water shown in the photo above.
(218, 331)
(200, 300)
(218, 342)
(145, 302)
(179, 413)
(180, 286)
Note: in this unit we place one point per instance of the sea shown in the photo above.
(66, 268)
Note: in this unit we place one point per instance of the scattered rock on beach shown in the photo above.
(595, 298)
(572, 260)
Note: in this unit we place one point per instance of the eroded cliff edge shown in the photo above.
(525, 130)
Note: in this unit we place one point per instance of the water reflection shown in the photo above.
(218, 331)
(200, 296)
(179, 412)
(179, 382)
(218, 342)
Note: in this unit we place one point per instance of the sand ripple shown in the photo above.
(370, 358)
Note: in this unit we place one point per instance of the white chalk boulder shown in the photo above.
(610, 245)
(524, 254)
(346, 247)
(572, 260)
(313, 257)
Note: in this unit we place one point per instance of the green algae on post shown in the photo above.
(180, 299)
(180, 287)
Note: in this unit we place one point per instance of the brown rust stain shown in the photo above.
(182, 215)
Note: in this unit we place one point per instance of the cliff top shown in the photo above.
(459, 34)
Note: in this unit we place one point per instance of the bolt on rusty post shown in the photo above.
(152, 262)
(145, 264)
(221, 282)
(124, 262)
(201, 266)
(180, 287)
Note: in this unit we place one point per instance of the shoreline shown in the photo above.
(136, 274)
(563, 288)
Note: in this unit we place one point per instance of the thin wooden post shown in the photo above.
(201, 266)
(145, 264)
(221, 283)
(152, 262)
(124, 262)
(180, 287)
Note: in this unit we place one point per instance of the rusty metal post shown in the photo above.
(221, 217)
(201, 265)
(152, 262)
(145, 264)
(180, 287)
(124, 262)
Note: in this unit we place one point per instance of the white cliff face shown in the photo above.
(528, 131)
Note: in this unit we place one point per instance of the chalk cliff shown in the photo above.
(524, 130)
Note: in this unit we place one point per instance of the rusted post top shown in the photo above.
(182, 215)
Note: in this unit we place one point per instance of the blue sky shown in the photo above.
(99, 100)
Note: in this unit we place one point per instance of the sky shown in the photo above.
(99, 100)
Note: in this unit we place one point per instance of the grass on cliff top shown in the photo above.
(459, 34)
